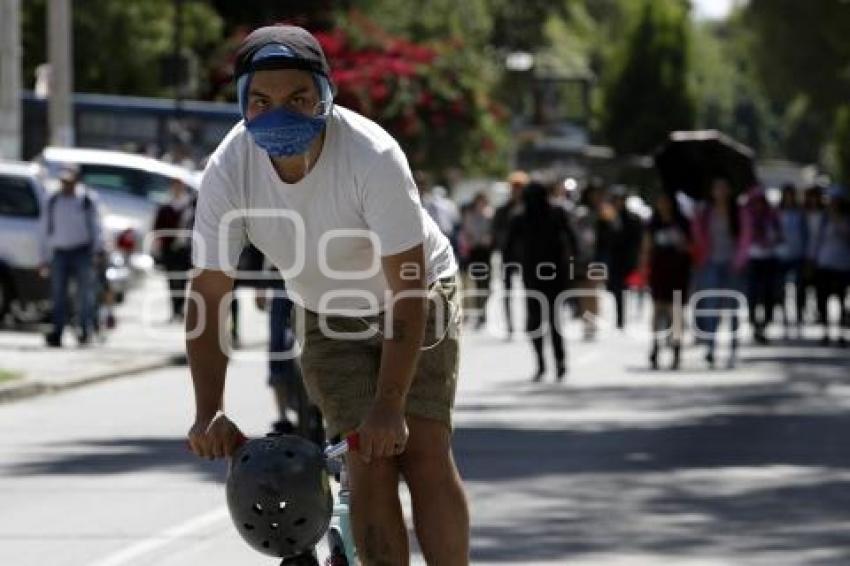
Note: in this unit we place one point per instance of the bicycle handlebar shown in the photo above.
(350, 443)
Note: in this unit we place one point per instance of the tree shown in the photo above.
(801, 50)
(432, 96)
(119, 46)
(650, 94)
(251, 14)
(841, 145)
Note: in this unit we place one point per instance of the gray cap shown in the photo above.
(299, 49)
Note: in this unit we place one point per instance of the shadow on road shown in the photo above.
(742, 474)
(752, 473)
(118, 456)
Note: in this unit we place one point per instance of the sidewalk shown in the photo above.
(142, 341)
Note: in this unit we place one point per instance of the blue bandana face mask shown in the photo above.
(284, 133)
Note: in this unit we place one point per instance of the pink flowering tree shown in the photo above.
(435, 102)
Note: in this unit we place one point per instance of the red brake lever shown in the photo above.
(353, 441)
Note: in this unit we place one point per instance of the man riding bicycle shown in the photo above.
(328, 197)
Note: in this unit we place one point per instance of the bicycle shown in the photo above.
(261, 515)
(340, 540)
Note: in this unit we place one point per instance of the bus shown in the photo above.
(135, 124)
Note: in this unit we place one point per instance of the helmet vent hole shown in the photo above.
(300, 522)
(282, 505)
(248, 526)
(289, 454)
(245, 458)
(266, 544)
(291, 541)
(257, 508)
(274, 526)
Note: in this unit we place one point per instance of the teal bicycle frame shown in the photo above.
(339, 539)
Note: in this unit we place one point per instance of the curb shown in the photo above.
(28, 389)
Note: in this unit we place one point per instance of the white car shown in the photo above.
(24, 293)
(21, 202)
(129, 187)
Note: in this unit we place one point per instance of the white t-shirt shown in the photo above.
(327, 232)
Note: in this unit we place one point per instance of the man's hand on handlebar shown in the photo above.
(215, 438)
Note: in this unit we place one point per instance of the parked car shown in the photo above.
(24, 293)
(130, 187)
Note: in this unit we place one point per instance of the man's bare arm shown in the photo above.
(207, 358)
(405, 274)
(384, 433)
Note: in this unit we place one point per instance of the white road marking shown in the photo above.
(164, 538)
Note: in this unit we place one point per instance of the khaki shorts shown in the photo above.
(341, 372)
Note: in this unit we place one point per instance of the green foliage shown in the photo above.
(119, 44)
(728, 90)
(714, 81)
(801, 52)
(428, 20)
(841, 143)
(649, 94)
(803, 48)
(433, 96)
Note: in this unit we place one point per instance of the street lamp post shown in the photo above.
(60, 54)
(177, 64)
(10, 79)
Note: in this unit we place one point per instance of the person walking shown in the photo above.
(667, 260)
(815, 213)
(438, 205)
(359, 255)
(172, 228)
(478, 239)
(545, 240)
(763, 234)
(721, 256)
(72, 238)
(587, 229)
(833, 264)
(792, 254)
(509, 255)
(619, 241)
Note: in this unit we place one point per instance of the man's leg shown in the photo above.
(533, 326)
(84, 276)
(59, 294)
(177, 291)
(440, 513)
(617, 287)
(508, 276)
(555, 325)
(822, 292)
(170, 263)
(376, 517)
(589, 307)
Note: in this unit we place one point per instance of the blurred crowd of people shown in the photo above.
(783, 261)
(717, 256)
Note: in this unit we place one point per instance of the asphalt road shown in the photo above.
(619, 466)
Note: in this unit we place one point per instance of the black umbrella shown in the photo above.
(689, 161)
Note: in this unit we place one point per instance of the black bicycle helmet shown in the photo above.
(278, 494)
